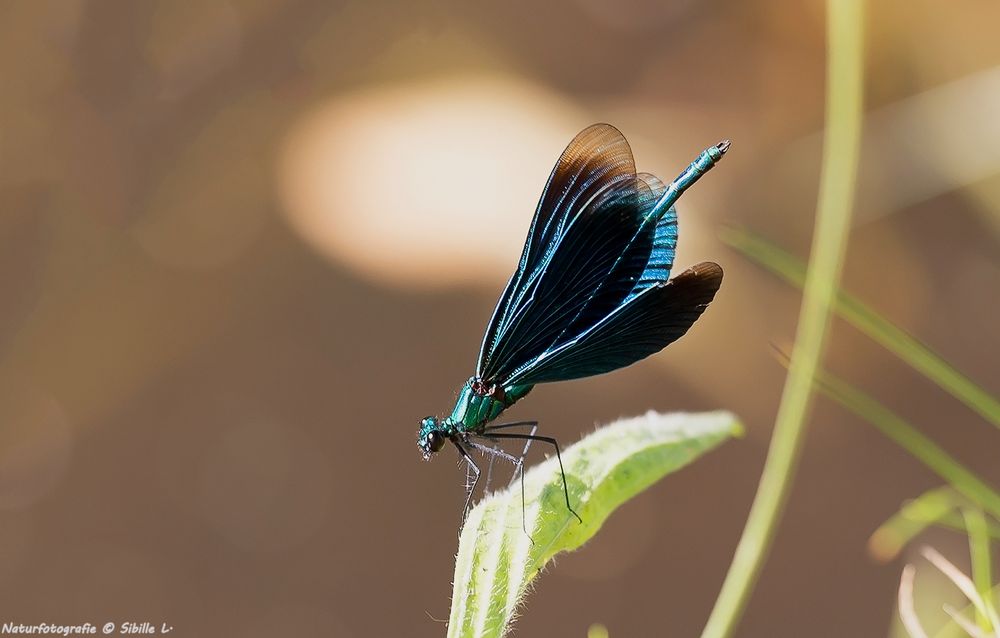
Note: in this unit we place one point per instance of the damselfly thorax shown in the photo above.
(479, 403)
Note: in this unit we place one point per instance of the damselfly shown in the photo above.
(591, 293)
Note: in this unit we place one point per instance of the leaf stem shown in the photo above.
(833, 214)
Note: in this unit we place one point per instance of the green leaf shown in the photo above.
(497, 560)
(862, 317)
(913, 518)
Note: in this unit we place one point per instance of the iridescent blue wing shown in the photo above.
(645, 324)
(587, 212)
(591, 271)
(661, 258)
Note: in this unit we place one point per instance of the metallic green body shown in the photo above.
(477, 405)
(473, 409)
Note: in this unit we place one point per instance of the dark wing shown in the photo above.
(645, 324)
(587, 212)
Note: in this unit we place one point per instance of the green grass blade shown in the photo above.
(906, 436)
(497, 561)
(982, 571)
(951, 628)
(937, 507)
(955, 522)
(913, 518)
(841, 148)
(965, 585)
(869, 322)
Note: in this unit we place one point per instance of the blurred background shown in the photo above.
(246, 246)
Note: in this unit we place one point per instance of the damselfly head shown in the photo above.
(431, 437)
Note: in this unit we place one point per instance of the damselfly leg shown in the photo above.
(519, 470)
(518, 462)
(475, 468)
(491, 433)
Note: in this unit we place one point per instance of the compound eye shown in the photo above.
(435, 441)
